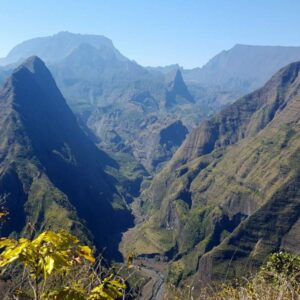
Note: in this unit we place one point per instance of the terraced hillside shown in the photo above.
(230, 194)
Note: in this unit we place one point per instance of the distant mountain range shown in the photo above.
(56, 47)
(243, 66)
(126, 106)
(51, 175)
(239, 70)
(230, 195)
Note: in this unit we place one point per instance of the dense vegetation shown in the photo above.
(278, 278)
(54, 266)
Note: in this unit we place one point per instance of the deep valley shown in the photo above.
(190, 174)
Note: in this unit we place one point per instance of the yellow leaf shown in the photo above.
(49, 264)
(118, 284)
(4, 242)
(86, 252)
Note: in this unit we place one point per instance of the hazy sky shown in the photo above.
(156, 32)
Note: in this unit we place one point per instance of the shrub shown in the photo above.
(47, 266)
(282, 264)
(278, 278)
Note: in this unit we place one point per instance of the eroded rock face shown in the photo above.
(230, 194)
(168, 140)
(173, 135)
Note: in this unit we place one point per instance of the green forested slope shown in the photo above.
(230, 193)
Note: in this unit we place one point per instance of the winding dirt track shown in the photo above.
(154, 288)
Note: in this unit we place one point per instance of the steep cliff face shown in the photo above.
(159, 143)
(51, 175)
(231, 183)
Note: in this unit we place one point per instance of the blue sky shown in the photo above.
(156, 32)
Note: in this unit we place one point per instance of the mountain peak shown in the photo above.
(30, 78)
(174, 77)
(34, 64)
(37, 68)
(177, 91)
(178, 76)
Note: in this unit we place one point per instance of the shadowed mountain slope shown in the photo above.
(51, 174)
